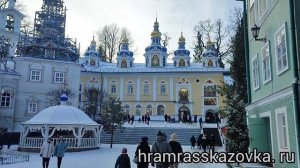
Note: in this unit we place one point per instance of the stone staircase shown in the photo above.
(132, 135)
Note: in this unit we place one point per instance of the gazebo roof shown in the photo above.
(61, 115)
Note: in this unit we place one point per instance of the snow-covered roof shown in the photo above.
(140, 67)
(61, 115)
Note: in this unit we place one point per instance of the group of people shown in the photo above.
(49, 150)
(161, 145)
(203, 141)
(169, 119)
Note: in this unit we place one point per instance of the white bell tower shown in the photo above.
(10, 24)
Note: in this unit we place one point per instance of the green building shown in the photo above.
(273, 74)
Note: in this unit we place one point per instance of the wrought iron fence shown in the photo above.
(9, 157)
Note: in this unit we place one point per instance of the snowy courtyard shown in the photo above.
(102, 158)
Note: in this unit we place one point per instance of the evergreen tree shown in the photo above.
(199, 48)
(235, 94)
(112, 116)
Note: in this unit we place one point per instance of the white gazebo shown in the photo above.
(78, 129)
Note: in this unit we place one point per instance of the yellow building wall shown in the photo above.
(197, 89)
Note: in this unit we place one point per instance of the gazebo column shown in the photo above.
(79, 136)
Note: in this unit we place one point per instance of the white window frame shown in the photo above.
(60, 78)
(282, 29)
(146, 84)
(32, 107)
(113, 89)
(282, 129)
(9, 101)
(255, 73)
(34, 74)
(163, 83)
(130, 88)
(266, 60)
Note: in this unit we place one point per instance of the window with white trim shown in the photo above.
(281, 51)
(32, 107)
(146, 87)
(163, 90)
(255, 75)
(35, 75)
(266, 67)
(282, 131)
(113, 89)
(5, 99)
(130, 89)
(59, 77)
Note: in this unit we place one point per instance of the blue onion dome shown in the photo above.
(124, 50)
(63, 99)
(210, 50)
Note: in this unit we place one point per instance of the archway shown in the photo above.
(211, 116)
(183, 113)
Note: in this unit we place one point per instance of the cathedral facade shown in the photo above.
(156, 87)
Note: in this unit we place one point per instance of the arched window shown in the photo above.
(160, 110)
(5, 99)
(149, 109)
(32, 105)
(126, 108)
(113, 89)
(92, 62)
(146, 87)
(155, 61)
(9, 23)
(163, 88)
(123, 64)
(138, 110)
(181, 62)
(130, 88)
(210, 63)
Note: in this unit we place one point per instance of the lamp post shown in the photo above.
(255, 33)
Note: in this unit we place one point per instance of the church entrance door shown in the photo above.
(183, 113)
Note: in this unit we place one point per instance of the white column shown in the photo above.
(122, 89)
(154, 89)
(138, 88)
(191, 108)
(171, 89)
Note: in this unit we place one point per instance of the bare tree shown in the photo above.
(3, 3)
(110, 38)
(166, 39)
(215, 32)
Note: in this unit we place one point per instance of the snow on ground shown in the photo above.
(102, 158)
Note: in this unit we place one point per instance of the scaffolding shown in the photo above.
(47, 40)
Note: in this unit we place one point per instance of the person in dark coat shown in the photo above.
(193, 141)
(123, 160)
(144, 148)
(176, 148)
(160, 146)
(211, 142)
(143, 119)
(199, 141)
(59, 150)
(166, 117)
(200, 122)
(204, 143)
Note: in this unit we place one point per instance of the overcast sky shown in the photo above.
(85, 17)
